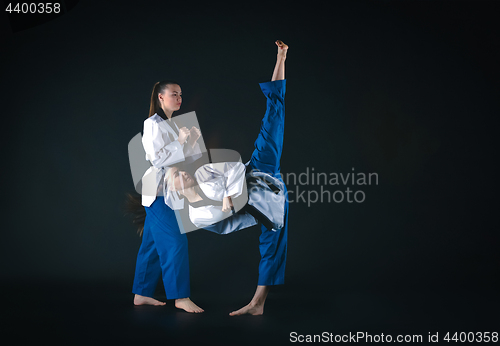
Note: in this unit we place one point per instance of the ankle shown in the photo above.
(256, 302)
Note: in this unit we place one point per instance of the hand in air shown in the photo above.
(227, 203)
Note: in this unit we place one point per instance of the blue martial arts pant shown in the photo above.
(266, 158)
(164, 250)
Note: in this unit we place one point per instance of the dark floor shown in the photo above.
(104, 314)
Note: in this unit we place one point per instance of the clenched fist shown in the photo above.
(183, 134)
(195, 133)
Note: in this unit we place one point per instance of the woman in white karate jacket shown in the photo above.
(164, 249)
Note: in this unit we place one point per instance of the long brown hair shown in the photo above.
(159, 87)
(133, 206)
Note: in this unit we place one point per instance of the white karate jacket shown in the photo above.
(162, 150)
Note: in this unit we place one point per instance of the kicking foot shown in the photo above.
(141, 300)
(188, 305)
(250, 309)
(282, 49)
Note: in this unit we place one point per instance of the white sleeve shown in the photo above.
(206, 215)
(157, 151)
(235, 177)
(221, 179)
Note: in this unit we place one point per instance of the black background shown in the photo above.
(406, 89)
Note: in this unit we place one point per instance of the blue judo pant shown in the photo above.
(164, 249)
(266, 158)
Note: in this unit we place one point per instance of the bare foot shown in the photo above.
(282, 49)
(141, 300)
(188, 305)
(251, 309)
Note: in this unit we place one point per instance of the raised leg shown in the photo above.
(266, 158)
(269, 143)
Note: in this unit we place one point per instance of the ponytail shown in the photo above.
(158, 88)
